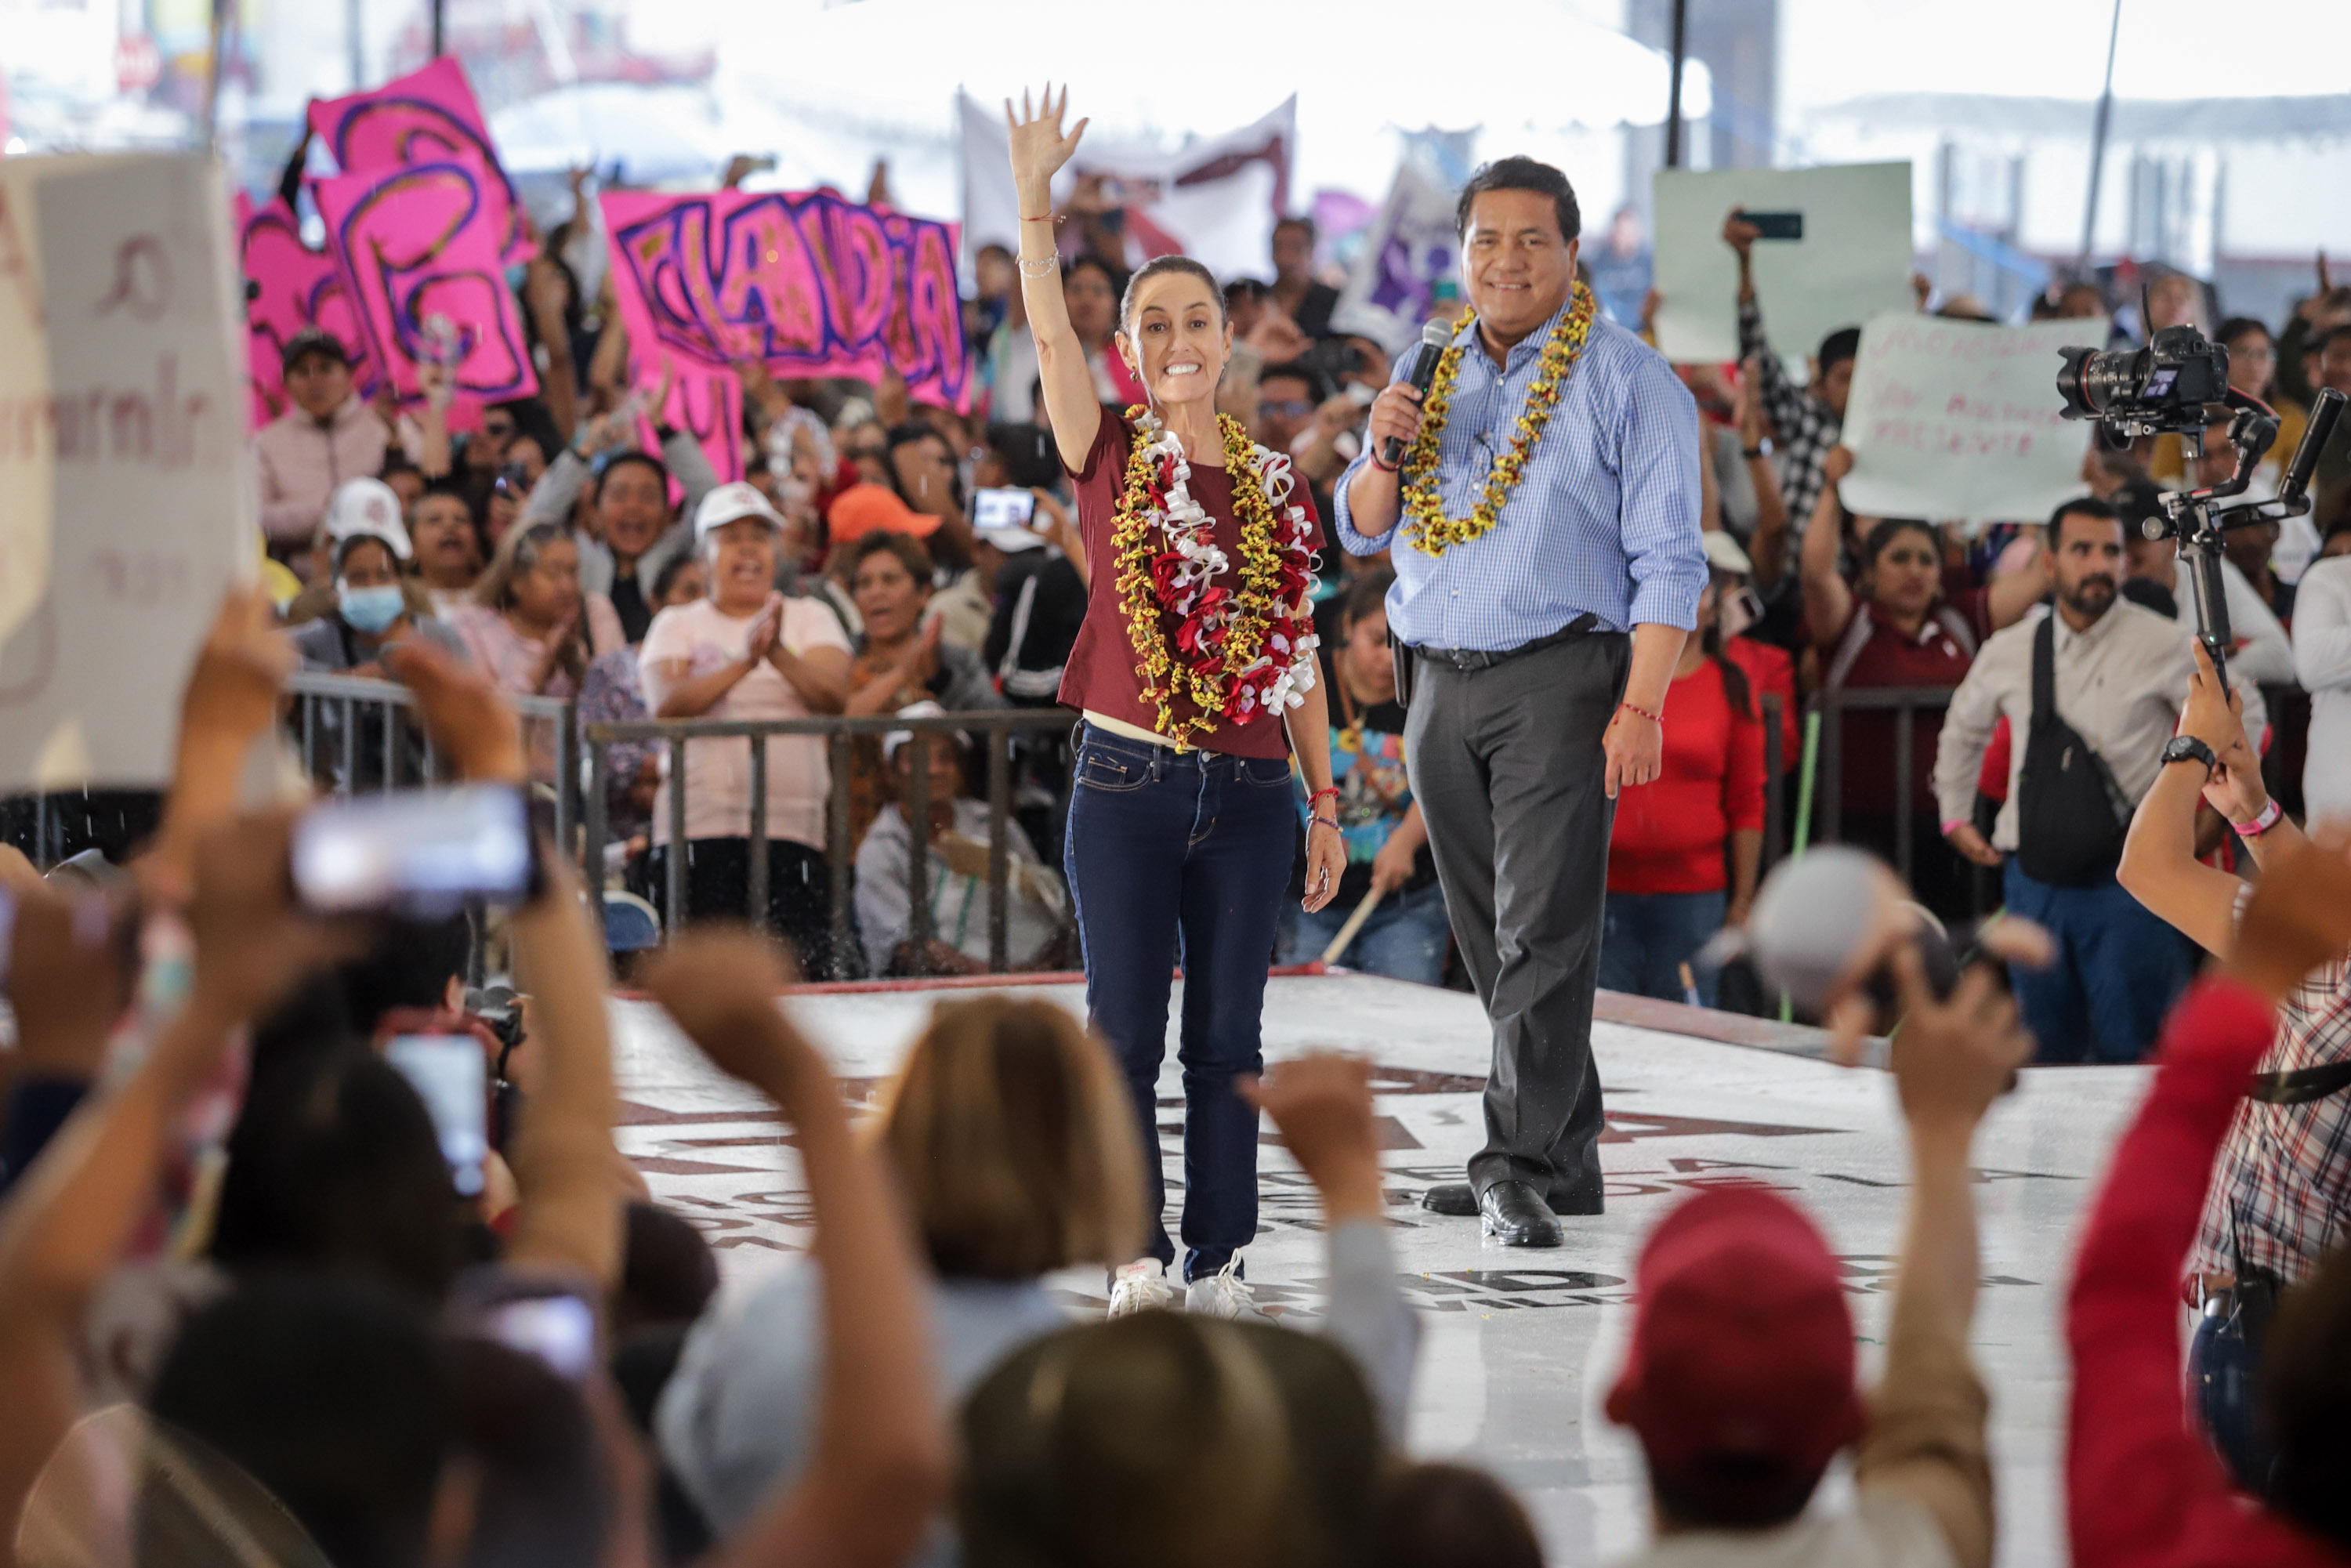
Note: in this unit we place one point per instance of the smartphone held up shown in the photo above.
(421, 854)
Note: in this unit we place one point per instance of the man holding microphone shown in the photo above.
(1541, 499)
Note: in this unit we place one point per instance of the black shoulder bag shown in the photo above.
(2069, 832)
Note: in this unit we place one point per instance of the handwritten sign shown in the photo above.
(418, 255)
(1854, 260)
(1959, 419)
(291, 288)
(126, 503)
(428, 116)
(812, 283)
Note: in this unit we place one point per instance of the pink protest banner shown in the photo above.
(289, 288)
(427, 116)
(419, 261)
(812, 283)
(709, 403)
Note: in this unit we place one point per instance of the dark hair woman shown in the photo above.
(1195, 669)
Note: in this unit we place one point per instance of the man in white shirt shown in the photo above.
(2121, 677)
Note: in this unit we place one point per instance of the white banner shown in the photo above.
(1410, 246)
(1214, 201)
(1853, 261)
(1959, 419)
(121, 457)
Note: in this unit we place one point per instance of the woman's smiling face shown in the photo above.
(1177, 339)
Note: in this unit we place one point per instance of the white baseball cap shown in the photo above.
(731, 503)
(898, 738)
(1009, 538)
(367, 508)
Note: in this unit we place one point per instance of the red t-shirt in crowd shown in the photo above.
(1870, 650)
(1100, 674)
(1773, 671)
(1670, 832)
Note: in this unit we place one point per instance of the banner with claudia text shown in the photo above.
(425, 117)
(417, 249)
(811, 283)
(1959, 419)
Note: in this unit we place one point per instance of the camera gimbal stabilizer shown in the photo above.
(2197, 520)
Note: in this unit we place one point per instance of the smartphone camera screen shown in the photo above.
(449, 1075)
(424, 853)
(1002, 508)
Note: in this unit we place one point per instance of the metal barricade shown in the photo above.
(326, 713)
(991, 728)
(1904, 702)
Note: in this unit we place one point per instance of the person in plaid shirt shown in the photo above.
(2280, 1197)
(1806, 420)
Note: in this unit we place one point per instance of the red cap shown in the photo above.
(875, 508)
(1742, 1343)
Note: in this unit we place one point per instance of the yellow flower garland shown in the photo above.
(1427, 527)
(1167, 679)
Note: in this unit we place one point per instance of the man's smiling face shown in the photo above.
(1517, 266)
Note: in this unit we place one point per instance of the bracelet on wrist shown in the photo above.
(1038, 267)
(1384, 467)
(2262, 823)
(1752, 453)
(1640, 712)
(1328, 791)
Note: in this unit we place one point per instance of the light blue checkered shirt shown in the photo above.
(1605, 519)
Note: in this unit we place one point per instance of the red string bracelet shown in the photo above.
(1311, 801)
(1036, 217)
(1643, 713)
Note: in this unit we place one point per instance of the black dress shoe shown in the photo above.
(1457, 1199)
(1453, 1198)
(1514, 1214)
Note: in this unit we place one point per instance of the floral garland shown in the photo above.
(1237, 652)
(1427, 527)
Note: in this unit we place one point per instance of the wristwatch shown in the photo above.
(2187, 748)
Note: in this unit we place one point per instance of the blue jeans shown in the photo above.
(2118, 970)
(1404, 938)
(1649, 936)
(1195, 850)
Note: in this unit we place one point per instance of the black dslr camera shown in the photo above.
(2179, 381)
(2162, 386)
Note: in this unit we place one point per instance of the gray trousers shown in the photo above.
(1505, 763)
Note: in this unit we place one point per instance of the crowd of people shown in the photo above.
(257, 1304)
(573, 550)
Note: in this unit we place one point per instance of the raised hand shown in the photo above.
(462, 711)
(1039, 146)
(1321, 1105)
(1953, 1058)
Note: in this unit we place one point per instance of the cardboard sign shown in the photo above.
(1959, 419)
(1853, 261)
(813, 285)
(418, 255)
(291, 288)
(427, 116)
(126, 502)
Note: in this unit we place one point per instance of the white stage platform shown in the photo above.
(1520, 1346)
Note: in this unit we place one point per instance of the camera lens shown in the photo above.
(2092, 382)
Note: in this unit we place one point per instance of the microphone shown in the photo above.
(1821, 925)
(1434, 338)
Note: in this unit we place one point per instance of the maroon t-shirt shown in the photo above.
(1100, 674)
(1871, 652)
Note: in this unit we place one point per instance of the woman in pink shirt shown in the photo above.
(534, 630)
(748, 652)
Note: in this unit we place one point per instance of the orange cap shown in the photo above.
(875, 508)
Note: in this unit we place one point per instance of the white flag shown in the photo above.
(1411, 244)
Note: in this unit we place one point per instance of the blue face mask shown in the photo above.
(369, 611)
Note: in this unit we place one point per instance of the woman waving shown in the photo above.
(1195, 669)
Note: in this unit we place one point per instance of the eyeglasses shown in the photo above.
(1286, 408)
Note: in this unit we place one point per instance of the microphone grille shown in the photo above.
(1437, 335)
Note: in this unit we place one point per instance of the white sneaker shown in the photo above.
(1140, 1287)
(1224, 1294)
